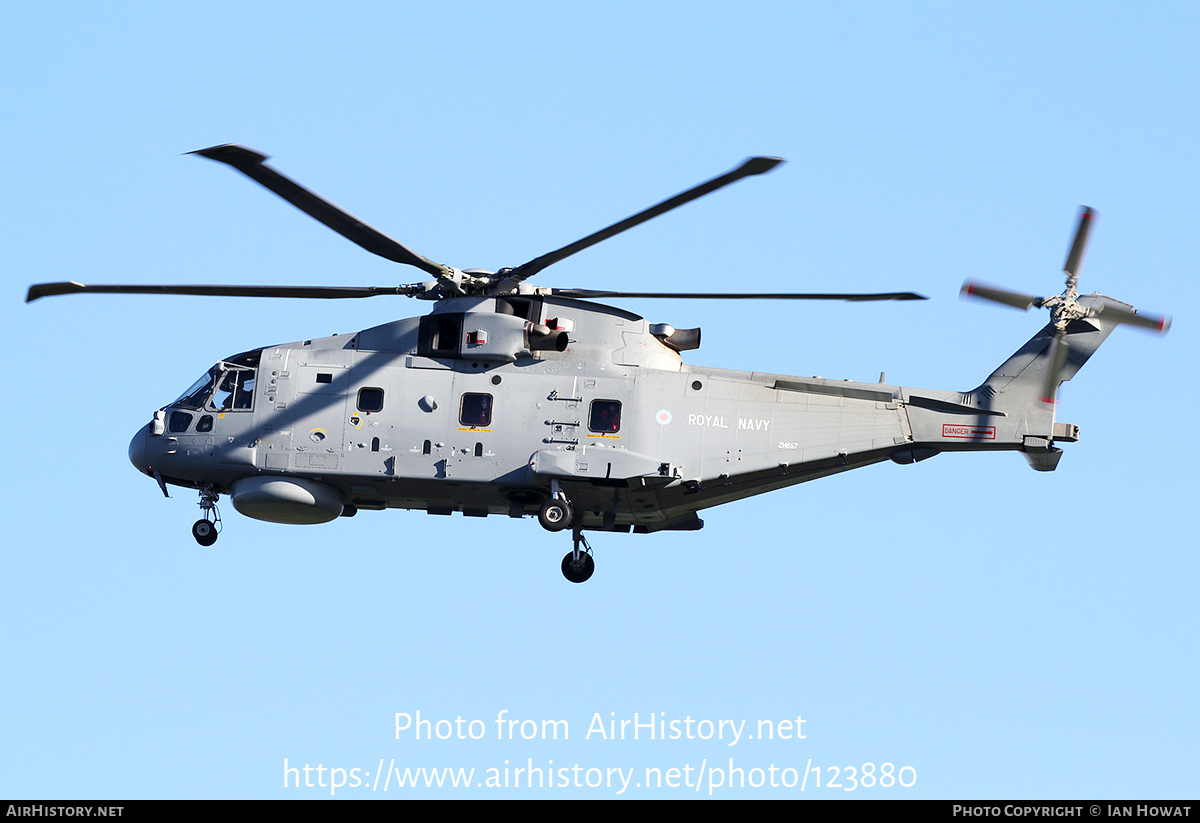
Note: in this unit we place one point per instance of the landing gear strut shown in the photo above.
(578, 565)
(206, 529)
(556, 513)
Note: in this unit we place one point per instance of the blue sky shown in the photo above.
(999, 632)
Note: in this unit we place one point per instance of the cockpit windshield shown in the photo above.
(227, 386)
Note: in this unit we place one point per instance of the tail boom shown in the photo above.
(1012, 409)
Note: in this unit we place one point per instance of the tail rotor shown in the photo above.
(1066, 308)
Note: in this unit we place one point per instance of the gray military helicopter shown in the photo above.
(521, 400)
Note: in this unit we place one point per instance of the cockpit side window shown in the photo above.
(228, 386)
(235, 390)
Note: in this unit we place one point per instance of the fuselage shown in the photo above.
(487, 405)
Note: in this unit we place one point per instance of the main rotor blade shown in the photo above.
(253, 165)
(752, 166)
(326, 292)
(590, 293)
(1008, 298)
(1075, 255)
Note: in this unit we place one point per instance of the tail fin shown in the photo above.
(1014, 408)
(1019, 387)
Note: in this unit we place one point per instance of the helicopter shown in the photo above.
(522, 400)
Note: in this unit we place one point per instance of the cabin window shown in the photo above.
(605, 416)
(205, 424)
(476, 410)
(370, 400)
(179, 422)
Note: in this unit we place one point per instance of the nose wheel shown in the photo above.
(205, 532)
(206, 529)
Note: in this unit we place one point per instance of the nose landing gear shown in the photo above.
(206, 529)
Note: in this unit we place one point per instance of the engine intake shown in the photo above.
(677, 339)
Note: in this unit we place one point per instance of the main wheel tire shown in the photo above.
(205, 532)
(578, 572)
(555, 515)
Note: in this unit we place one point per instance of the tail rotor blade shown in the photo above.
(1075, 256)
(1158, 323)
(1057, 353)
(1008, 298)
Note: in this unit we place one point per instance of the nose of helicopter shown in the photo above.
(137, 451)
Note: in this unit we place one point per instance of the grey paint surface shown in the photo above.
(689, 438)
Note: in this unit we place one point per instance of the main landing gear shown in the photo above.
(557, 514)
(578, 565)
(206, 529)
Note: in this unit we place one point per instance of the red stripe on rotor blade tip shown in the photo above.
(1049, 400)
